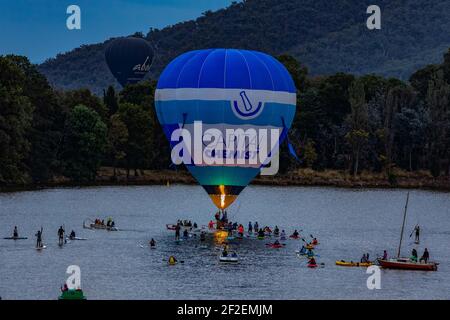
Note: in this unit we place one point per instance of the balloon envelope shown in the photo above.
(129, 59)
(225, 89)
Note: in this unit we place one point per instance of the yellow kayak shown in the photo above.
(343, 263)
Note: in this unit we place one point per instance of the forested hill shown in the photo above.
(327, 36)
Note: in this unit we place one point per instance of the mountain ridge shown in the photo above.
(326, 37)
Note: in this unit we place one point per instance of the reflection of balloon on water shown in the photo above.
(129, 59)
(225, 89)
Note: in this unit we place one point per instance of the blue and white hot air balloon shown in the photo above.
(225, 89)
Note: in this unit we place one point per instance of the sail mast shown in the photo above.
(403, 226)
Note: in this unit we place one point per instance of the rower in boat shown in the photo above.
(314, 242)
(185, 234)
(276, 231)
(202, 236)
(282, 235)
(240, 230)
(72, 235)
(295, 234)
(250, 227)
(152, 243)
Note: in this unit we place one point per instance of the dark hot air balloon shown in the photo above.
(129, 59)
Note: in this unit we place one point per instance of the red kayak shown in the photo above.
(274, 245)
(312, 265)
(294, 237)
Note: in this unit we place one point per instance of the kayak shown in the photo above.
(310, 247)
(294, 237)
(72, 294)
(343, 263)
(260, 238)
(310, 265)
(172, 263)
(15, 238)
(273, 245)
(40, 248)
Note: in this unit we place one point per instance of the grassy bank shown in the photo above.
(301, 177)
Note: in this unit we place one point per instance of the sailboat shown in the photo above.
(406, 263)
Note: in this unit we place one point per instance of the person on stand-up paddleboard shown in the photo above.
(177, 231)
(61, 235)
(15, 232)
(39, 239)
(416, 231)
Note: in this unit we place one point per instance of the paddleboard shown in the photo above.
(15, 238)
(40, 248)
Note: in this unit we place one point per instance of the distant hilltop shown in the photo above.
(326, 36)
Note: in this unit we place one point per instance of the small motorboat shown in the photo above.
(72, 294)
(230, 258)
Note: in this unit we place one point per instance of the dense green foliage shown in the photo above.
(343, 122)
(327, 36)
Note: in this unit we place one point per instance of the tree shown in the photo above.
(45, 133)
(358, 119)
(297, 71)
(398, 98)
(118, 139)
(438, 99)
(70, 99)
(139, 145)
(110, 100)
(15, 121)
(84, 144)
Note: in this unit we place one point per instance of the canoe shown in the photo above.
(343, 263)
(72, 294)
(15, 238)
(407, 264)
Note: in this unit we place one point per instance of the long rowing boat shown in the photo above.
(89, 224)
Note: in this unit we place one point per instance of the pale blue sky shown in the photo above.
(37, 28)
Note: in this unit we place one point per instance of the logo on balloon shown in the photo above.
(245, 109)
(143, 67)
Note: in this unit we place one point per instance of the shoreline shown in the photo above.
(300, 178)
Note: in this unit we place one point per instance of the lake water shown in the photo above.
(347, 223)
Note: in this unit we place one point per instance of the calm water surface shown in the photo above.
(114, 266)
